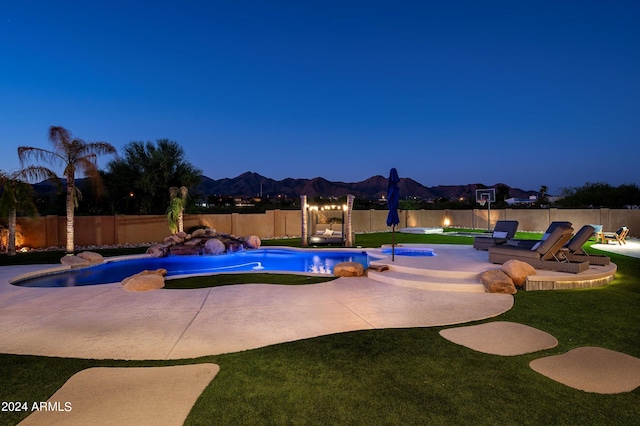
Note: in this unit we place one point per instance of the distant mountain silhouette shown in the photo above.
(252, 184)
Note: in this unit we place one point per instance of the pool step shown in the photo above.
(429, 279)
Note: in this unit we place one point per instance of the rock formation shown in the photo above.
(202, 241)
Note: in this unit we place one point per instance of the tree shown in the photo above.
(600, 194)
(138, 180)
(73, 154)
(17, 196)
(543, 194)
(175, 212)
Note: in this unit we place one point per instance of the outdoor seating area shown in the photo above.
(620, 236)
(545, 254)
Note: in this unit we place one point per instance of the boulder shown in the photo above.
(173, 239)
(348, 269)
(158, 250)
(214, 246)
(74, 261)
(253, 241)
(92, 257)
(145, 281)
(200, 232)
(193, 242)
(182, 235)
(496, 281)
(518, 271)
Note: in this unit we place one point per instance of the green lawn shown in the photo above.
(398, 376)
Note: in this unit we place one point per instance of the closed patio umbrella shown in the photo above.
(393, 196)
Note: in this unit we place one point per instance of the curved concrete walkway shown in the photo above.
(105, 322)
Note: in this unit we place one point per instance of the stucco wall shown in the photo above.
(50, 231)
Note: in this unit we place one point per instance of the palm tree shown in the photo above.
(543, 193)
(175, 212)
(73, 154)
(17, 196)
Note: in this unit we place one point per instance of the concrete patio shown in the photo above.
(105, 322)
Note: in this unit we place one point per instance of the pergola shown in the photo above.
(309, 216)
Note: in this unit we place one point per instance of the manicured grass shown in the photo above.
(399, 376)
(238, 279)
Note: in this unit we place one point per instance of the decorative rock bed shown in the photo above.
(203, 241)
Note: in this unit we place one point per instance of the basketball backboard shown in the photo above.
(484, 195)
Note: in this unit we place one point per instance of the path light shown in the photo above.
(447, 222)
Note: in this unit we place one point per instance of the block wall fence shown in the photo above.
(49, 231)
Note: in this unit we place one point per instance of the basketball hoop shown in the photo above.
(482, 202)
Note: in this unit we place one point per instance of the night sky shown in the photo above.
(526, 93)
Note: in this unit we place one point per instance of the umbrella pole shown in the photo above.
(393, 243)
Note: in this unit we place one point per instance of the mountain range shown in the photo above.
(251, 184)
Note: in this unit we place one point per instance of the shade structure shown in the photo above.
(393, 197)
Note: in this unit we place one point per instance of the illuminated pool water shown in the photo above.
(410, 251)
(265, 260)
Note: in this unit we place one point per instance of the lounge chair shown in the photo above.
(620, 236)
(530, 243)
(597, 231)
(546, 254)
(573, 249)
(504, 230)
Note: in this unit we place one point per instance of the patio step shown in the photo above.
(429, 279)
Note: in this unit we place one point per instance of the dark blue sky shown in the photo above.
(526, 93)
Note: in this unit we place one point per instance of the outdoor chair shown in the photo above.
(597, 231)
(620, 236)
(504, 230)
(573, 249)
(530, 243)
(545, 254)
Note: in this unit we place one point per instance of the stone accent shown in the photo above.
(496, 281)
(159, 250)
(518, 271)
(192, 242)
(74, 261)
(379, 268)
(173, 239)
(214, 246)
(348, 269)
(145, 281)
(253, 241)
(92, 257)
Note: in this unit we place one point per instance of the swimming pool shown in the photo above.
(261, 260)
